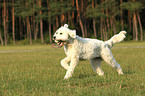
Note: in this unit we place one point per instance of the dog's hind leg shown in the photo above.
(64, 63)
(96, 64)
(107, 56)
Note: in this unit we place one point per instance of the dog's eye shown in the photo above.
(60, 33)
(57, 32)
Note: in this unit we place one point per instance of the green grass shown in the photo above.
(39, 73)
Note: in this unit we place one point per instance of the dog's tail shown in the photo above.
(116, 38)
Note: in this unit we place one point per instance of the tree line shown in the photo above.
(38, 19)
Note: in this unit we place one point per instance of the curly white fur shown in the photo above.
(84, 48)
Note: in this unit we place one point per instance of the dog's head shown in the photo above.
(63, 35)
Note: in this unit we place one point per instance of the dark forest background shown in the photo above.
(31, 21)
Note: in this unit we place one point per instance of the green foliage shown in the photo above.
(94, 12)
(99, 11)
(132, 6)
(109, 4)
(22, 11)
(58, 8)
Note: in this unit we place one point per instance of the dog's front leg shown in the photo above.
(73, 64)
(64, 62)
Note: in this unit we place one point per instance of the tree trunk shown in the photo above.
(34, 25)
(133, 31)
(129, 20)
(81, 24)
(105, 29)
(81, 5)
(36, 31)
(94, 25)
(114, 27)
(86, 34)
(33, 18)
(135, 26)
(1, 17)
(50, 38)
(4, 22)
(107, 20)
(41, 23)
(103, 33)
(68, 18)
(94, 28)
(29, 30)
(24, 28)
(41, 30)
(62, 17)
(121, 16)
(80, 21)
(49, 19)
(73, 14)
(101, 30)
(2, 42)
(7, 22)
(57, 22)
(111, 23)
(13, 22)
(20, 29)
(140, 25)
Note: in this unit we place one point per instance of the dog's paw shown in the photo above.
(101, 73)
(120, 71)
(65, 78)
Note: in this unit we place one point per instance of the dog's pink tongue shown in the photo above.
(61, 44)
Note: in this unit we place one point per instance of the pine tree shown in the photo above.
(79, 17)
(13, 22)
(4, 21)
(94, 25)
(2, 42)
(25, 10)
(134, 6)
(49, 21)
(41, 23)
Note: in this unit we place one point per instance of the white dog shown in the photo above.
(84, 48)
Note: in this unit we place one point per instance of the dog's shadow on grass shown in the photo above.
(129, 72)
(84, 76)
(94, 75)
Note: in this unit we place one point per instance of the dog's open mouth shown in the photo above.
(60, 43)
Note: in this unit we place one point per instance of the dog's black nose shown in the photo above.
(54, 37)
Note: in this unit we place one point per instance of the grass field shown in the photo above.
(39, 73)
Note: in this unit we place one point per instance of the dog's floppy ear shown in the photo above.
(65, 25)
(72, 33)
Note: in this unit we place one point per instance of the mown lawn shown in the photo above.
(39, 73)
